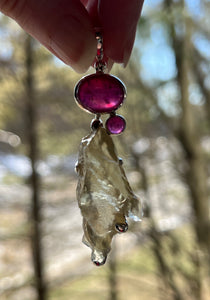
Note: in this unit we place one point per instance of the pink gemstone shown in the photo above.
(115, 124)
(98, 52)
(100, 93)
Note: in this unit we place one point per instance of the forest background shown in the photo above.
(166, 153)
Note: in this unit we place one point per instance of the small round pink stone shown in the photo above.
(100, 93)
(115, 124)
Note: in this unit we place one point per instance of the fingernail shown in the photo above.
(74, 43)
(126, 58)
(110, 64)
(127, 52)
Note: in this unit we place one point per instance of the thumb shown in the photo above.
(62, 26)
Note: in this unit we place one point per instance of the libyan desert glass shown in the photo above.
(103, 193)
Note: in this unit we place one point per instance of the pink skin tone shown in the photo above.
(67, 27)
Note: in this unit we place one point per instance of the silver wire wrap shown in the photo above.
(100, 65)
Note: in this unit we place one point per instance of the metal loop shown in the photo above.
(99, 53)
(100, 65)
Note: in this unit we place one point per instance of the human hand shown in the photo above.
(67, 27)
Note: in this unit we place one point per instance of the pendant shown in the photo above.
(104, 195)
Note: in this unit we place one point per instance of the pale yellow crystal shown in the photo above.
(103, 193)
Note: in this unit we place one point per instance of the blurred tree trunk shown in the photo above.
(188, 134)
(31, 132)
(166, 272)
(113, 273)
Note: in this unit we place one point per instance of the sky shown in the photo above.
(157, 60)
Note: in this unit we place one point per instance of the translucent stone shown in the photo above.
(103, 194)
(115, 124)
(100, 93)
(98, 258)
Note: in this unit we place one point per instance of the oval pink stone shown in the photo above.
(100, 93)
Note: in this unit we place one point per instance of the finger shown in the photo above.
(63, 26)
(92, 8)
(119, 20)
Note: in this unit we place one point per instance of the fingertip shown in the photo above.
(119, 26)
(64, 27)
(12, 8)
(73, 43)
